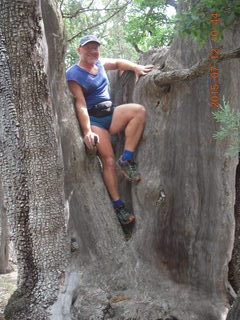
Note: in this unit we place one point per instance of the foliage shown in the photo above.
(196, 22)
(147, 25)
(128, 27)
(114, 42)
(105, 19)
(125, 27)
(230, 127)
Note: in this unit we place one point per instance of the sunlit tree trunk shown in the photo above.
(175, 266)
(31, 162)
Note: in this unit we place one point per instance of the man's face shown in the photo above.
(89, 52)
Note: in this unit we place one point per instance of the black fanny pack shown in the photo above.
(101, 109)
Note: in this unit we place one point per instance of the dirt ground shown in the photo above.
(8, 284)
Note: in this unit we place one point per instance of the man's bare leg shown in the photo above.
(106, 154)
(131, 117)
(109, 174)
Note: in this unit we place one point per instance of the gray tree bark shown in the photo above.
(234, 266)
(175, 266)
(4, 236)
(234, 273)
(31, 162)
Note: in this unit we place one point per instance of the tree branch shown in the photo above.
(97, 24)
(197, 70)
(135, 46)
(90, 4)
(87, 9)
(82, 10)
(60, 4)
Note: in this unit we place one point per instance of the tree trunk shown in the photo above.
(234, 266)
(4, 236)
(234, 313)
(175, 266)
(31, 162)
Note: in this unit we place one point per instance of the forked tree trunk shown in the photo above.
(175, 266)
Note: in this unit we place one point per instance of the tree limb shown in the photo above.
(97, 24)
(135, 46)
(87, 9)
(197, 70)
(82, 10)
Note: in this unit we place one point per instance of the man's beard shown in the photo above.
(91, 60)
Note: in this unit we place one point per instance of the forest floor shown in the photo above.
(8, 283)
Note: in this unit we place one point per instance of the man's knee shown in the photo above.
(109, 162)
(141, 111)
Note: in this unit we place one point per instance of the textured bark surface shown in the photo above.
(234, 266)
(4, 236)
(31, 162)
(175, 266)
(200, 68)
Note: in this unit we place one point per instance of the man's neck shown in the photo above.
(89, 67)
(86, 65)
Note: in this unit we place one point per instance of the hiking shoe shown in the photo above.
(124, 216)
(129, 169)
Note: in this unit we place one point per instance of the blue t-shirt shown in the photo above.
(95, 86)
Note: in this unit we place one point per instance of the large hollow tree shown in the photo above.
(175, 266)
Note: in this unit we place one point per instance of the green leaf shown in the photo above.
(229, 19)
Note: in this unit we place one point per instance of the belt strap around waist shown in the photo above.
(101, 109)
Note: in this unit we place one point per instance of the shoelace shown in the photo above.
(132, 167)
(121, 210)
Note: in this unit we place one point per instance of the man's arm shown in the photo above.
(122, 64)
(82, 114)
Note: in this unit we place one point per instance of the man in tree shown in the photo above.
(99, 119)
